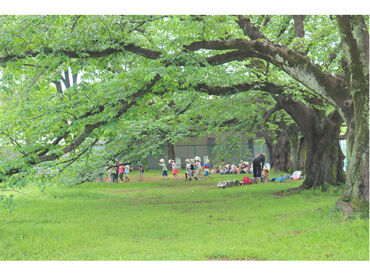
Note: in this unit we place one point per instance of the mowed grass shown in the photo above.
(177, 220)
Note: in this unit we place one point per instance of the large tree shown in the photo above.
(188, 49)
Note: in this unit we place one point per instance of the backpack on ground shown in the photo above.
(247, 180)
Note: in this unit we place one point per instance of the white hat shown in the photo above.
(161, 160)
(192, 160)
(187, 160)
(170, 161)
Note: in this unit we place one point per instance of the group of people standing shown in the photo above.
(118, 169)
(193, 169)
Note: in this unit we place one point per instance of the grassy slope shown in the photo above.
(167, 220)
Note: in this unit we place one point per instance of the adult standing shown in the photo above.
(258, 163)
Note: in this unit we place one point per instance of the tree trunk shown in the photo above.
(324, 159)
(357, 184)
(302, 154)
(355, 40)
(279, 151)
(296, 145)
(170, 151)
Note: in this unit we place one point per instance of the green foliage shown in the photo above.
(40, 51)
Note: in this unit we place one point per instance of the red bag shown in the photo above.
(247, 180)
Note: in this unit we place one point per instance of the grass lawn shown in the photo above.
(168, 220)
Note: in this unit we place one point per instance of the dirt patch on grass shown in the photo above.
(152, 198)
(288, 192)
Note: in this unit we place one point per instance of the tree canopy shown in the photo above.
(68, 82)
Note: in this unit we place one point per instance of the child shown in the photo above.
(141, 172)
(222, 169)
(192, 167)
(207, 168)
(187, 171)
(112, 172)
(214, 170)
(266, 173)
(175, 171)
(120, 171)
(164, 169)
(199, 169)
(127, 170)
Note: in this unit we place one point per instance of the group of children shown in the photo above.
(193, 169)
(117, 170)
(244, 167)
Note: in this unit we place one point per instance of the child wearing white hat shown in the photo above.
(187, 171)
(199, 168)
(175, 171)
(207, 169)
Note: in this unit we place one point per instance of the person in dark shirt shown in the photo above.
(258, 164)
(141, 171)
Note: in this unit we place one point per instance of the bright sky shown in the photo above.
(185, 7)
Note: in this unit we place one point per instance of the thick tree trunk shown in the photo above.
(355, 40)
(279, 152)
(295, 143)
(357, 183)
(324, 159)
(302, 154)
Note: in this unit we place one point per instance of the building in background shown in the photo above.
(207, 147)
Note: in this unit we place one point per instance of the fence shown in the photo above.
(209, 151)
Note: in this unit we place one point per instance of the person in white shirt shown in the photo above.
(127, 170)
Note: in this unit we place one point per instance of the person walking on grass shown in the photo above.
(192, 169)
(207, 169)
(175, 171)
(164, 169)
(187, 171)
(127, 171)
(258, 163)
(112, 173)
(141, 172)
(199, 169)
(120, 171)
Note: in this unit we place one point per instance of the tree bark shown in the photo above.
(279, 151)
(292, 133)
(355, 41)
(324, 159)
(298, 25)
